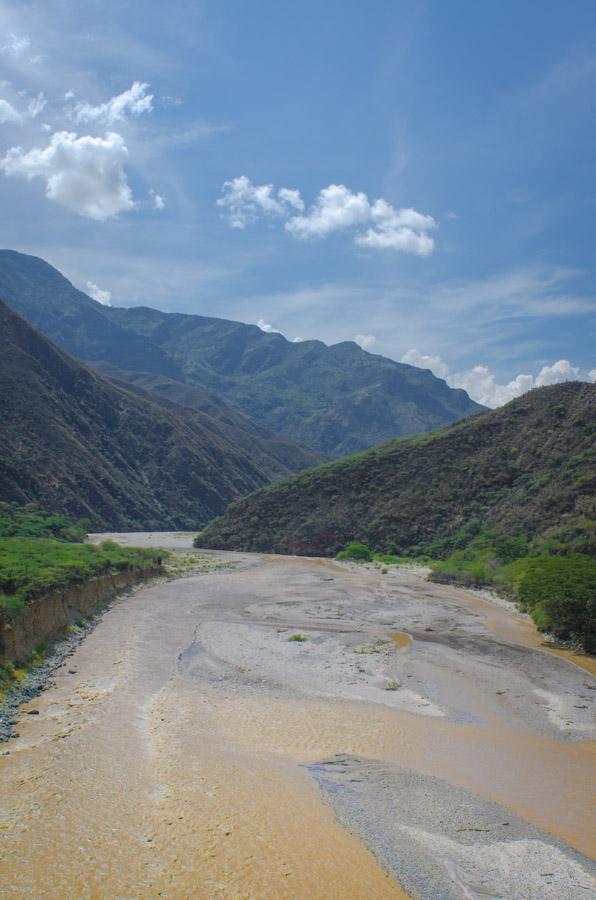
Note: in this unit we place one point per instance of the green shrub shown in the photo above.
(356, 551)
(560, 594)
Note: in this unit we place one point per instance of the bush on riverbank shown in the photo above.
(551, 581)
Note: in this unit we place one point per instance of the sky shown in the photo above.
(419, 176)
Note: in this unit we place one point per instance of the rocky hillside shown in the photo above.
(78, 443)
(527, 467)
(334, 400)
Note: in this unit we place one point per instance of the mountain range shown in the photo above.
(332, 400)
(78, 443)
(526, 468)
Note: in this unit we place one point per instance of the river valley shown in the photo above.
(284, 727)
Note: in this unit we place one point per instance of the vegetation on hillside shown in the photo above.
(31, 521)
(88, 448)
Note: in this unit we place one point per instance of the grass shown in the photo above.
(33, 566)
(178, 564)
(298, 638)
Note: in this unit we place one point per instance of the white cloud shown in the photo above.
(291, 198)
(365, 340)
(265, 326)
(398, 229)
(16, 45)
(36, 105)
(336, 208)
(96, 293)
(245, 201)
(481, 384)
(558, 372)
(134, 101)
(422, 361)
(85, 175)
(592, 374)
(8, 113)
(157, 200)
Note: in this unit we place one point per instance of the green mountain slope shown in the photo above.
(276, 454)
(526, 467)
(79, 444)
(335, 400)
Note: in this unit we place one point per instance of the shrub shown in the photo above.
(560, 594)
(356, 551)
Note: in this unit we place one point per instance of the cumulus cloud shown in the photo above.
(592, 374)
(265, 326)
(8, 113)
(365, 340)
(85, 175)
(96, 293)
(134, 102)
(558, 372)
(157, 200)
(398, 229)
(423, 361)
(244, 201)
(336, 208)
(481, 384)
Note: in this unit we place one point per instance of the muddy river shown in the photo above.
(279, 727)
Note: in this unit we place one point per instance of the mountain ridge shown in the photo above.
(77, 443)
(334, 400)
(526, 467)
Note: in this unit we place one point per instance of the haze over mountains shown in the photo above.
(528, 467)
(333, 400)
(76, 443)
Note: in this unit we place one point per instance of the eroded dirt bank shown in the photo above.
(198, 751)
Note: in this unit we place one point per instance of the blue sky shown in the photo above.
(435, 161)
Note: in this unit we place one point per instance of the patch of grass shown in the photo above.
(377, 647)
(299, 638)
(33, 566)
(178, 564)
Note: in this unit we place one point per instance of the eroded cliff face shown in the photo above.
(45, 616)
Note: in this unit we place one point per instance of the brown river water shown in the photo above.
(161, 764)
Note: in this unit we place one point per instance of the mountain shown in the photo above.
(335, 400)
(526, 467)
(78, 443)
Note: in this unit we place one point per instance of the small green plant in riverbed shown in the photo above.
(179, 564)
(298, 637)
(12, 672)
(377, 647)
